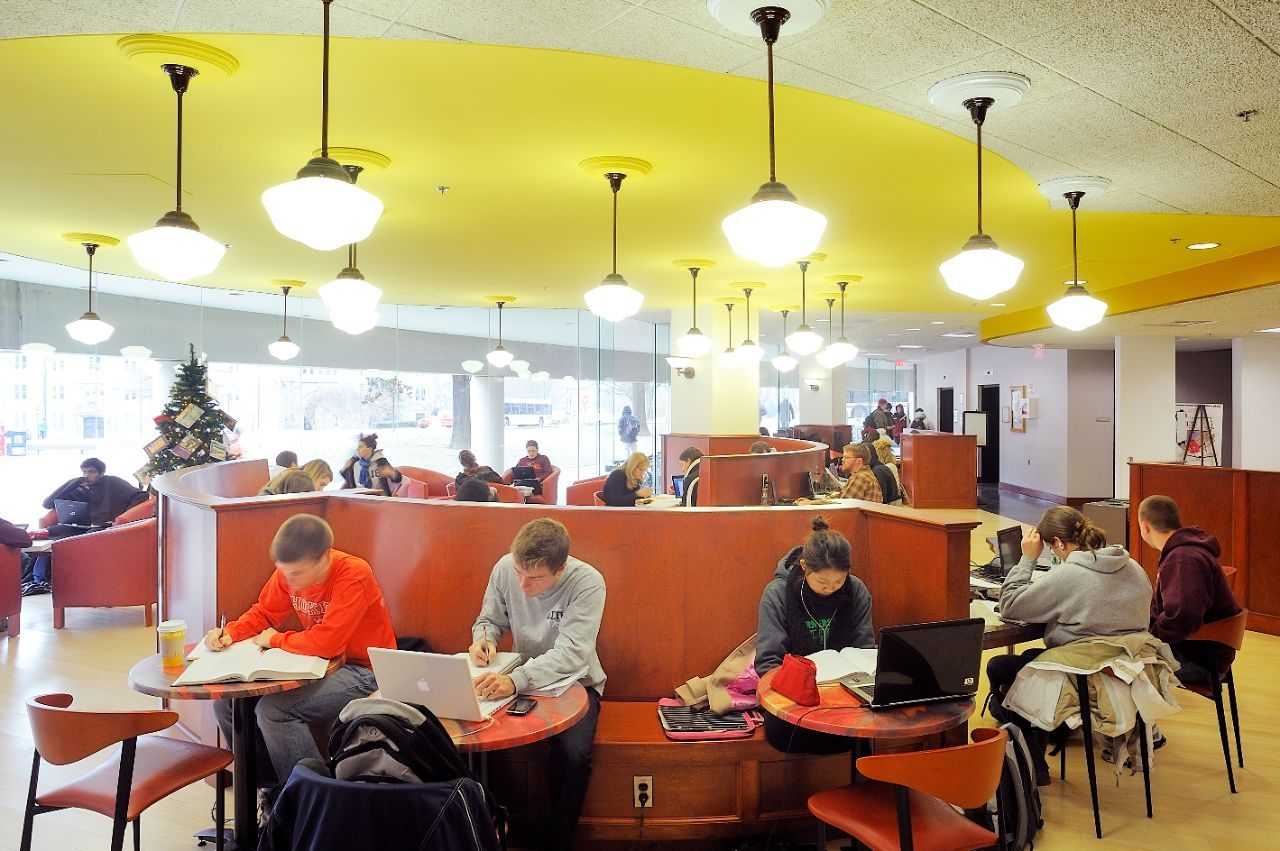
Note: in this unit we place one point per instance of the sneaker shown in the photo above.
(1158, 739)
(266, 801)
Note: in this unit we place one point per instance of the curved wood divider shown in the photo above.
(729, 475)
(683, 585)
(940, 469)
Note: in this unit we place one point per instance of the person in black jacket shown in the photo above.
(690, 459)
(107, 496)
(368, 468)
(626, 484)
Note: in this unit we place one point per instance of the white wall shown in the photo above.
(1090, 423)
(717, 400)
(1144, 394)
(1255, 378)
(949, 369)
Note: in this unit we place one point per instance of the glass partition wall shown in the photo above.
(403, 380)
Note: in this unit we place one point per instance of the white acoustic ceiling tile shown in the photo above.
(118, 15)
(386, 9)
(694, 13)
(788, 73)
(290, 17)
(27, 18)
(408, 33)
(657, 38)
(1251, 146)
(550, 23)
(888, 43)
(1117, 201)
(1044, 83)
(1260, 17)
(1077, 127)
(1223, 189)
(1008, 21)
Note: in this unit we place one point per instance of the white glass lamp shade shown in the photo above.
(322, 208)
(804, 340)
(90, 330)
(473, 366)
(749, 352)
(613, 300)
(1077, 310)
(843, 349)
(568, 379)
(540, 375)
(784, 362)
(981, 270)
(500, 357)
(694, 344)
(773, 229)
(728, 358)
(136, 352)
(37, 348)
(175, 249)
(355, 321)
(284, 348)
(829, 359)
(519, 366)
(678, 362)
(350, 293)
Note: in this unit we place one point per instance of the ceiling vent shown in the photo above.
(1182, 323)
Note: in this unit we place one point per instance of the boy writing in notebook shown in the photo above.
(551, 603)
(340, 607)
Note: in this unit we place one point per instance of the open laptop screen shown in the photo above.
(1009, 547)
(929, 661)
(677, 486)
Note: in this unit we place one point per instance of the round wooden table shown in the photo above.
(552, 715)
(150, 677)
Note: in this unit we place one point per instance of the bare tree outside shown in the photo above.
(461, 412)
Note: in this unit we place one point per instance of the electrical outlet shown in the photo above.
(642, 784)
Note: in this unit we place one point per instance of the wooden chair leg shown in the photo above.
(146, 614)
(1235, 714)
(1222, 731)
(1086, 720)
(1146, 761)
(59, 617)
(15, 627)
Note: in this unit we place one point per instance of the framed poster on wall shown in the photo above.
(1018, 407)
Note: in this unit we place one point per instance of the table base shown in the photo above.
(244, 747)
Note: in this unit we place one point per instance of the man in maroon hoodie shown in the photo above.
(1191, 589)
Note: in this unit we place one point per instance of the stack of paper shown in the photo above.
(833, 664)
(559, 687)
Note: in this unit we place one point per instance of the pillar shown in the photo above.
(717, 399)
(823, 393)
(488, 431)
(1255, 404)
(1145, 399)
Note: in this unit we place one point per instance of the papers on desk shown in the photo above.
(835, 664)
(245, 662)
(501, 663)
(557, 688)
(977, 581)
(986, 609)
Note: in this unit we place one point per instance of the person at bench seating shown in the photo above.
(862, 483)
(551, 603)
(1096, 590)
(287, 460)
(690, 459)
(811, 604)
(760, 448)
(883, 448)
(320, 472)
(532, 468)
(108, 497)
(625, 484)
(369, 468)
(474, 490)
(288, 481)
(342, 612)
(1191, 590)
(471, 469)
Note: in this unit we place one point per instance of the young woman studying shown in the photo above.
(811, 604)
(368, 468)
(625, 484)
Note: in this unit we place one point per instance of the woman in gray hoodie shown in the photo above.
(1096, 590)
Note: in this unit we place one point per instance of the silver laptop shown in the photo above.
(441, 683)
(72, 512)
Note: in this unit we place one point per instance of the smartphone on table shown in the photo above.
(521, 706)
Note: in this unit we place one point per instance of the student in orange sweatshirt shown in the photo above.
(341, 609)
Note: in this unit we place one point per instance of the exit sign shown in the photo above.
(899, 362)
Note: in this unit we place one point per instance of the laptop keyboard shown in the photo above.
(859, 686)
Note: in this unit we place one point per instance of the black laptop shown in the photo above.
(72, 512)
(923, 663)
(677, 486)
(523, 474)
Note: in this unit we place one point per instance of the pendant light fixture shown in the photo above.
(500, 357)
(89, 329)
(828, 357)
(981, 270)
(694, 344)
(773, 229)
(1076, 310)
(749, 352)
(351, 300)
(284, 348)
(804, 340)
(729, 357)
(783, 361)
(614, 300)
(322, 208)
(473, 366)
(842, 349)
(175, 249)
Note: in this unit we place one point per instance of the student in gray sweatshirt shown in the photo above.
(551, 603)
(1096, 590)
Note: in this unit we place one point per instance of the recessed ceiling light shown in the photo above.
(910, 346)
(997, 304)
(958, 334)
(1267, 331)
(873, 354)
(892, 335)
(1202, 246)
(913, 329)
(937, 322)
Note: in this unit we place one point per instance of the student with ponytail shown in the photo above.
(1096, 590)
(811, 604)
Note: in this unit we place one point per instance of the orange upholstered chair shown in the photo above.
(580, 492)
(597, 498)
(907, 803)
(10, 592)
(144, 770)
(550, 487)
(142, 511)
(1229, 573)
(49, 519)
(410, 488)
(111, 567)
(1228, 631)
(506, 493)
(435, 482)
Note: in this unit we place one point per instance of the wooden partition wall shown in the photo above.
(683, 589)
(939, 470)
(1239, 508)
(730, 475)
(835, 436)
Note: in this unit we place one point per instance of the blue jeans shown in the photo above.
(283, 718)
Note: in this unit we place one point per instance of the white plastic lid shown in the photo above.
(172, 626)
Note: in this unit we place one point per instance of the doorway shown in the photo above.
(946, 409)
(989, 398)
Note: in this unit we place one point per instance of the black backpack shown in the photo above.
(1015, 809)
(385, 741)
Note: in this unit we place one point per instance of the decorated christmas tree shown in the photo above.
(191, 426)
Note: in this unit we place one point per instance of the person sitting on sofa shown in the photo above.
(474, 490)
(625, 484)
(107, 496)
(368, 468)
(471, 469)
(532, 468)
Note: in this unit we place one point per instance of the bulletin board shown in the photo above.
(1018, 407)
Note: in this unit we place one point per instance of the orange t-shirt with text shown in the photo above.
(343, 615)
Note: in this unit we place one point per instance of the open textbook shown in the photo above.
(835, 664)
(245, 662)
